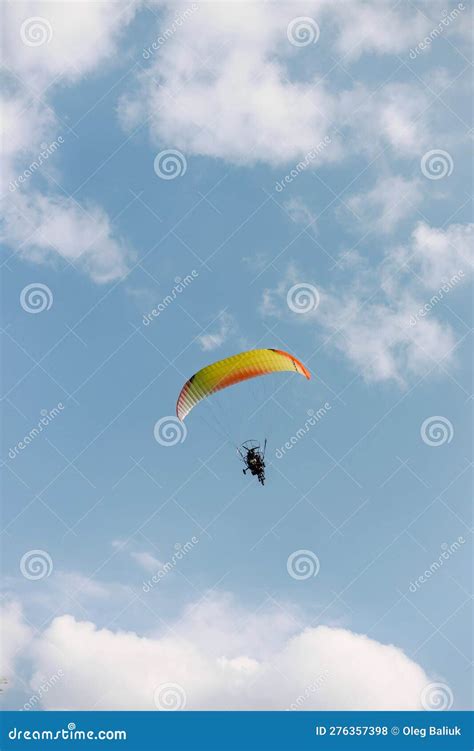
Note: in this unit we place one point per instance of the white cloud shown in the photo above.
(143, 558)
(225, 328)
(300, 213)
(66, 591)
(440, 253)
(368, 318)
(230, 113)
(41, 228)
(226, 87)
(395, 117)
(25, 125)
(377, 337)
(119, 544)
(147, 561)
(224, 658)
(15, 636)
(384, 206)
(377, 27)
(76, 36)
(68, 583)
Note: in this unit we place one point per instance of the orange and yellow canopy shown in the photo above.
(241, 367)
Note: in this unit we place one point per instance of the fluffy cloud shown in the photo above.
(300, 213)
(226, 87)
(391, 200)
(370, 322)
(15, 636)
(230, 113)
(377, 27)
(215, 339)
(379, 341)
(222, 657)
(209, 101)
(440, 253)
(395, 118)
(49, 40)
(42, 226)
(147, 561)
(25, 125)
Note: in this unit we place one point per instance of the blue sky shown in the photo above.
(372, 228)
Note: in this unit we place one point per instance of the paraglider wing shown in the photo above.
(219, 375)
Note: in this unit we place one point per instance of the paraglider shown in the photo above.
(228, 372)
(254, 459)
